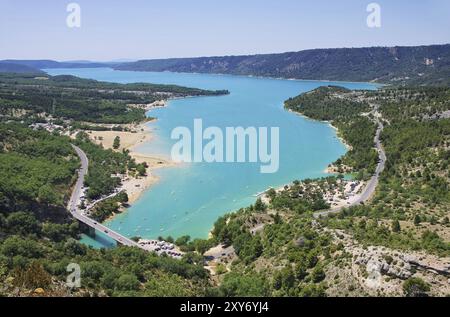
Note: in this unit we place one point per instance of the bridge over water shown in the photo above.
(75, 201)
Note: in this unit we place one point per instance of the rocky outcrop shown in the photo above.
(427, 264)
(383, 270)
(377, 261)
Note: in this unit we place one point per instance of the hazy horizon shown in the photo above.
(174, 29)
(125, 60)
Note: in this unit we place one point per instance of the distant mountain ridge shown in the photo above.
(404, 65)
(6, 67)
(44, 63)
(413, 65)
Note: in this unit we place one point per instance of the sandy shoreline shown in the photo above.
(136, 135)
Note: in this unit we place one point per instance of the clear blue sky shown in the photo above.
(140, 29)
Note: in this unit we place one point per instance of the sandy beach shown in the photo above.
(136, 135)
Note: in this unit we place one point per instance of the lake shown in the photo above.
(189, 198)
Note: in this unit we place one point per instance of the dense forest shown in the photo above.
(395, 65)
(358, 131)
(38, 239)
(32, 97)
(38, 168)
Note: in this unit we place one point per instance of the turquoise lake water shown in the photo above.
(189, 198)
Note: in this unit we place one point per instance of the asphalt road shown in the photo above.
(75, 201)
(371, 186)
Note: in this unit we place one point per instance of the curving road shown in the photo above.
(371, 186)
(75, 201)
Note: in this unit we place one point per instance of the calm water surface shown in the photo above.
(189, 198)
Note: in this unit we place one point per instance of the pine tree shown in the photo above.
(396, 226)
(116, 143)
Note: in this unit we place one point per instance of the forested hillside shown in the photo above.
(396, 65)
(416, 65)
(33, 97)
(282, 250)
(326, 103)
(37, 169)
(38, 238)
(10, 67)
